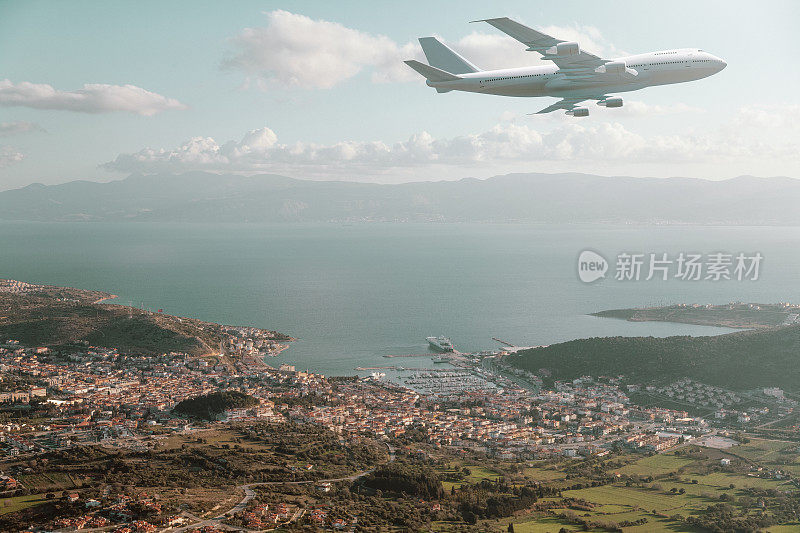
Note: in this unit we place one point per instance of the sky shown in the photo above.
(318, 90)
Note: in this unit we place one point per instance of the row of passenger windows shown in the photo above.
(670, 63)
(661, 63)
(515, 77)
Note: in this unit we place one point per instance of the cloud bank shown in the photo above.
(92, 98)
(508, 144)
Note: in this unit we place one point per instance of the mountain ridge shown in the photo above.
(518, 197)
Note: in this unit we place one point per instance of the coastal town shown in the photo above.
(101, 396)
(98, 397)
(254, 446)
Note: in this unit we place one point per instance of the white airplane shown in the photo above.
(575, 76)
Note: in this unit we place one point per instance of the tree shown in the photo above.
(510, 528)
(470, 518)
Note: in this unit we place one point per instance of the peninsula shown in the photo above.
(732, 315)
(65, 319)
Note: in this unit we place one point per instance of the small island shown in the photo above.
(733, 315)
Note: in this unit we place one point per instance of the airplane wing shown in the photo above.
(568, 56)
(570, 103)
(567, 104)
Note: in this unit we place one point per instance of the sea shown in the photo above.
(352, 294)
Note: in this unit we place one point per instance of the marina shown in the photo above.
(457, 373)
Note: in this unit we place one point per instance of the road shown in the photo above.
(249, 494)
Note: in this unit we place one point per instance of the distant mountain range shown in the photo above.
(537, 198)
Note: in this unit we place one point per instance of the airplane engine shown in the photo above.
(578, 112)
(611, 102)
(612, 67)
(565, 49)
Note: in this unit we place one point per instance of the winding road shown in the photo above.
(249, 494)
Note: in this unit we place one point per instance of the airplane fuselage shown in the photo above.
(642, 70)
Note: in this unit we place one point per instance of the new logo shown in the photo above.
(591, 266)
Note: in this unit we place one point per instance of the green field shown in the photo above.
(544, 525)
(631, 498)
(786, 528)
(741, 481)
(477, 473)
(767, 450)
(655, 465)
(16, 503)
(542, 474)
(552, 524)
(47, 482)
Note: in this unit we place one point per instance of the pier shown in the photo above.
(415, 355)
(504, 342)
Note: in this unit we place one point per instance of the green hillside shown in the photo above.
(60, 317)
(740, 360)
(210, 405)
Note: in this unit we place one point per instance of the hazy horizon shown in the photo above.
(421, 180)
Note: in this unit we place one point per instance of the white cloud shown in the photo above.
(9, 156)
(581, 144)
(768, 117)
(635, 108)
(14, 128)
(295, 50)
(493, 51)
(497, 50)
(92, 98)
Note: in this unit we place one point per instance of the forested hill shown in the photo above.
(210, 405)
(741, 360)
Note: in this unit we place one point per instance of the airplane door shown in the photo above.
(687, 62)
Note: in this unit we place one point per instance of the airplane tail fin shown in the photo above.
(431, 73)
(442, 57)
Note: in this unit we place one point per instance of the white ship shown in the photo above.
(442, 344)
